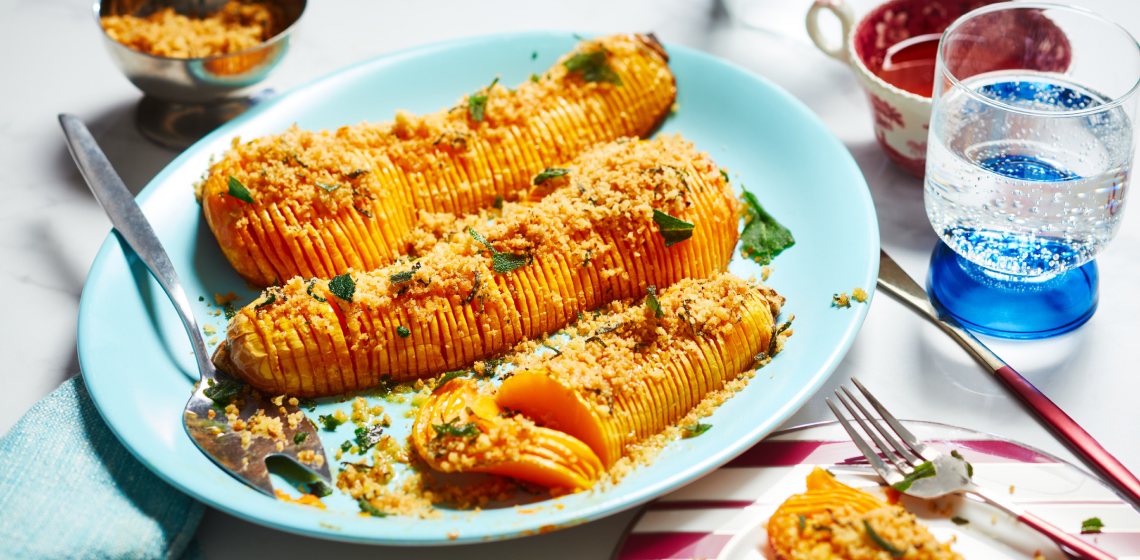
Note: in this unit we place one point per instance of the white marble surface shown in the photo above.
(50, 227)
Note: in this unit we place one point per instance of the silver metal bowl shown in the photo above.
(185, 98)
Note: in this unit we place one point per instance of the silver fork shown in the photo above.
(916, 469)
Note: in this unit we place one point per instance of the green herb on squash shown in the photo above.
(673, 230)
(550, 173)
(238, 190)
(343, 287)
(593, 66)
(477, 102)
(882, 543)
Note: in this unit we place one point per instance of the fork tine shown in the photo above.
(890, 438)
(893, 422)
(884, 450)
(890, 475)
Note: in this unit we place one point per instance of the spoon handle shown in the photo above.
(132, 226)
(895, 281)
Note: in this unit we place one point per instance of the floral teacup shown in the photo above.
(900, 117)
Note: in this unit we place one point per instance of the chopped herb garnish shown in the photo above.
(309, 290)
(959, 520)
(222, 392)
(556, 351)
(672, 229)
(346, 445)
(477, 102)
(366, 437)
(724, 174)
(342, 287)
(405, 276)
(307, 404)
(776, 336)
(498, 204)
(474, 288)
(489, 366)
(550, 173)
(586, 261)
(969, 468)
(694, 430)
(329, 421)
(238, 190)
(328, 187)
(403, 331)
(891, 549)
(299, 437)
(533, 55)
(228, 310)
(443, 379)
(803, 522)
(763, 237)
(501, 263)
(1091, 525)
(449, 428)
(367, 507)
(652, 303)
(923, 470)
(595, 338)
(593, 67)
(269, 299)
(534, 78)
(318, 488)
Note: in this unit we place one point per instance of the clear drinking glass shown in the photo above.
(1027, 164)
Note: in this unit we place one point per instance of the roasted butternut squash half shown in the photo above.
(616, 380)
(631, 214)
(318, 203)
(834, 520)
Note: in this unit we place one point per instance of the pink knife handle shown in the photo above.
(1072, 433)
(1070, 541)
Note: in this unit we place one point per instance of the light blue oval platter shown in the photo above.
(137, 362)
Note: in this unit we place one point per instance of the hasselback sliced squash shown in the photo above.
(476, 292)
(460, 429)
(834, 520)
(317, 203)
(617, 380)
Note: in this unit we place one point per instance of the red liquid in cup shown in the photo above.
(909, 64)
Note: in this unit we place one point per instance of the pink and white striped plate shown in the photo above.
(723, 515)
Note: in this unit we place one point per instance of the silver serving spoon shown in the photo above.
(205, 415)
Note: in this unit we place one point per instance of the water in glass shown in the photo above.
(1032, 185)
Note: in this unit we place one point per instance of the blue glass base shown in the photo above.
(1008, 306)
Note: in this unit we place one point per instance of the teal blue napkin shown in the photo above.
(69, 489)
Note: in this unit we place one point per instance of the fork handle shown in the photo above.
(1073, 543)
(1072, 433)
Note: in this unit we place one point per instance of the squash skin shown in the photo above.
(604, 394)
(329, 201)
(590, 242)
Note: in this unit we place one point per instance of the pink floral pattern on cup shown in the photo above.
(900, 118)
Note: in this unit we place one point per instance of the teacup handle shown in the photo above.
(846, 20)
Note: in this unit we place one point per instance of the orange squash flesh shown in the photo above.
(324, 202)
(483, 439)
(628, 394)
(608, 393)
(588, 243)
